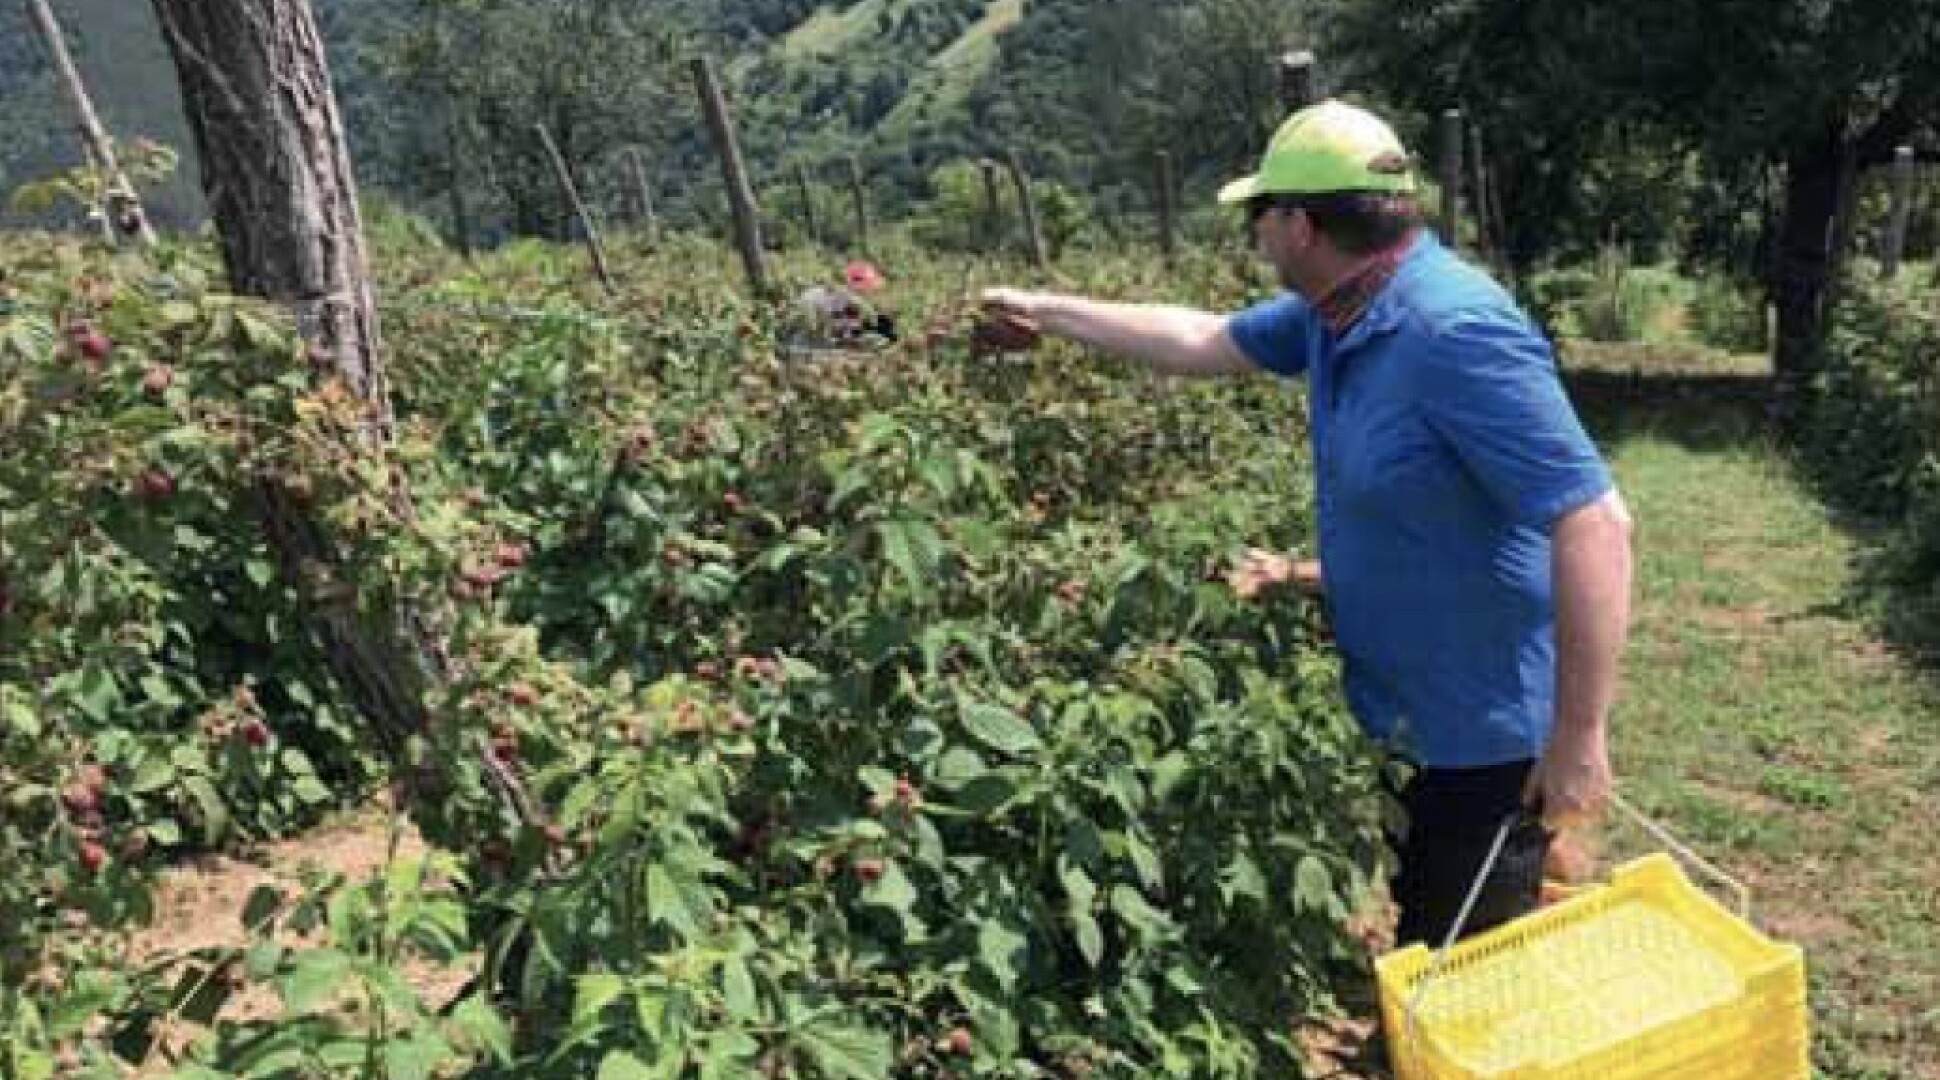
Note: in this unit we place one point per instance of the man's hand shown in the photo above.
(1263, 572)
(1009, 323)
(1571, 781)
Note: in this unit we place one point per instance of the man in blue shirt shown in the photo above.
(1474, 552)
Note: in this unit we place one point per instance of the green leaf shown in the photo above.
(665, 903)
(1313, 886)
(985, 795)
(484, 1027)
(153, 774)
(259, 571)
(311, 791)
(843, 1052)
(620, 1065)
(263, 903)
(98, 694)
(313, 979)
(20, 716)
(215, 815)
(1242, 879)
(999, 728)
(1090, 939)
(1144, 860)
(594, 992)
(892, 890)
(913, 548)
(737, 990)
(1003, 951)
(415, 1057)
(1130, 905)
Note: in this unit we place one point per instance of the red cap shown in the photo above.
(863, 276)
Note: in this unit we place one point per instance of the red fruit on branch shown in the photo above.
(733, 501)
(157, 379)
(255, 734)
(94, 345)
(484, 577)
(154, 484)
(505, 748)
(93, 775)
(868, 871)
(906, 794)
(522, 695)
(511, 556)
(81, 800)
(93, 856)
(958, 1040)
(496, 855)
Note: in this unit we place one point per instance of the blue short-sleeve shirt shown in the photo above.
(1445, 449)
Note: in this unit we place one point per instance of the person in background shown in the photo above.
(1474, 552)
(845, 313)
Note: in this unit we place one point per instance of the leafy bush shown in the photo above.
(957, 216)
(1871, 438)
(883, 717)
(1610, 300)
(1729, 314)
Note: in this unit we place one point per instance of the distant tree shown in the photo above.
(1811, 90)
(473, 77)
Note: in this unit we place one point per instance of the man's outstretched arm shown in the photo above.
(1172, 340)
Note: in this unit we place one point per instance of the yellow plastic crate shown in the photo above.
(1646, 978)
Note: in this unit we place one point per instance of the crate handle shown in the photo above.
(1461, 918)
(1663, 835)
(1739, 892)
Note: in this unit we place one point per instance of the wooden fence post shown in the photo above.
(747, 220)
(123, 206)
(1168, 242)
(1040, 258)
(1895, 246)
(993, 206)
(642, 194)
(1294, 79)
(808, 204)
(861, 196)
(565, 174)
(1481, 194)
(1451, 177)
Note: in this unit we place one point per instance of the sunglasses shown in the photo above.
(1260, 207)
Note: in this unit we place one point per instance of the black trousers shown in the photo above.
(1452, 819)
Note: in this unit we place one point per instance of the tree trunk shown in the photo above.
(277, 176)
(1803, 261)
(278, 180)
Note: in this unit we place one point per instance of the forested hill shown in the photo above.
(1085, 89)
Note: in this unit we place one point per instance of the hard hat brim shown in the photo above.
(1240, 190)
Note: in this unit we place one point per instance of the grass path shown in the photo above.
(1770, 727)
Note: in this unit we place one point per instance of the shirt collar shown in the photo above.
(1379, 310)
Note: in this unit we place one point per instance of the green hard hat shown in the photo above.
(1329, 147)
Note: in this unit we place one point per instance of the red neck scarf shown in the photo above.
(1348, 300)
